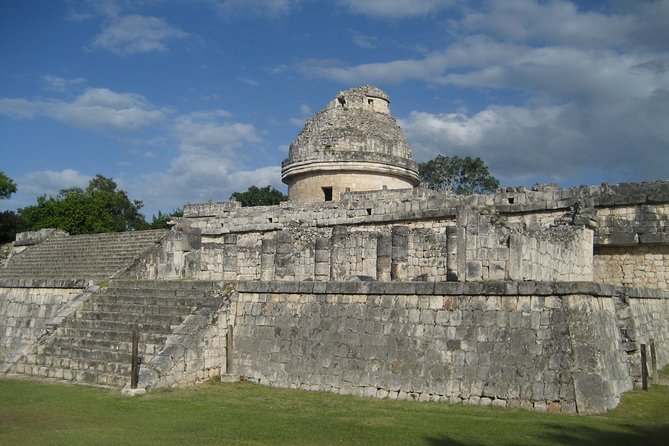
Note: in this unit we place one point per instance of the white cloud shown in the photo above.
(550, 22)
(19, 108)
(196, 177)
(305, 113)
(50, 182)
(211, 164)
(385, 72)
(95, 109)
(269, 8)
(248, 81)
(135, 34)
(59, 84)
(365, 41)
(395, 9)
(560, 22)
(551, 142)
(212, 132)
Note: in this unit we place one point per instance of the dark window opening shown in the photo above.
(369, 211)
(327, 191)
(270, 220)
(370, 101)
(511, 200)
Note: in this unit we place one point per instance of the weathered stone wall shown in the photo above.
(308, 188)
(26, 312)
(176, 257)
(537, 345)
(651, 316)
(564, 254)
(473, 235)
(474, 250)
(196, 350)
(639, 265)
(470, 243)
(643, 318)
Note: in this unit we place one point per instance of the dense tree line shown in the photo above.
(101, 207)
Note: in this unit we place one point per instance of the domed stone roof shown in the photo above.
(356, 133)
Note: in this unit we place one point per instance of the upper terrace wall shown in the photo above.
(509, 235)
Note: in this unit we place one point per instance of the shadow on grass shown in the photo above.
(631, 435)
(444, 441)
(579, 435)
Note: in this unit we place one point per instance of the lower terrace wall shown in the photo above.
(28, 308)
(538, 345)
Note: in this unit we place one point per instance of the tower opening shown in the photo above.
(327, 192)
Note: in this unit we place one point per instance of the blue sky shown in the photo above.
(186, 101)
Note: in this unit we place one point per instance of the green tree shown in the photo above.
(10, 225)
(99, 208)
(160, 221)
(462, 176)
(256, 196)
(7, 186)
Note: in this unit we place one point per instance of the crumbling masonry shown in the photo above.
(361, 283)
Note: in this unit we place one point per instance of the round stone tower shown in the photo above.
(355, 144)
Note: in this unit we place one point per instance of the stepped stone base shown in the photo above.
(92, 343)
(230, 378)
(133, 392)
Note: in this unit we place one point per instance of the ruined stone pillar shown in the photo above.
(384, 248)
(451, 254)
(267, 254)
(284, 267)
(230, 251)
(515, 261)
(461, 242)
(338, 253)
(400, 253)
(322, 259)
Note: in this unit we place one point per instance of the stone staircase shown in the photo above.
(94, 345)
(90, 256)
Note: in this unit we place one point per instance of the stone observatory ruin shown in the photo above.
(362, 283)
(354, 144)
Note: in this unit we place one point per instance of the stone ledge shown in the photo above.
(44, 283)
(499, 288)
(133, 392)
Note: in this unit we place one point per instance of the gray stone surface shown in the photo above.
(559, 351)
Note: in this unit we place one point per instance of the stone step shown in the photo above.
(149, 285)
(156, 319)
(83, 354)
(109, 340)
(140, 308)
(66, 362)
(152, 302)
(95, 326)
(97, 345)
(86, 256)
(90, 376)
(94, 346)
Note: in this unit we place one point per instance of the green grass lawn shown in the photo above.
(245, 414)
